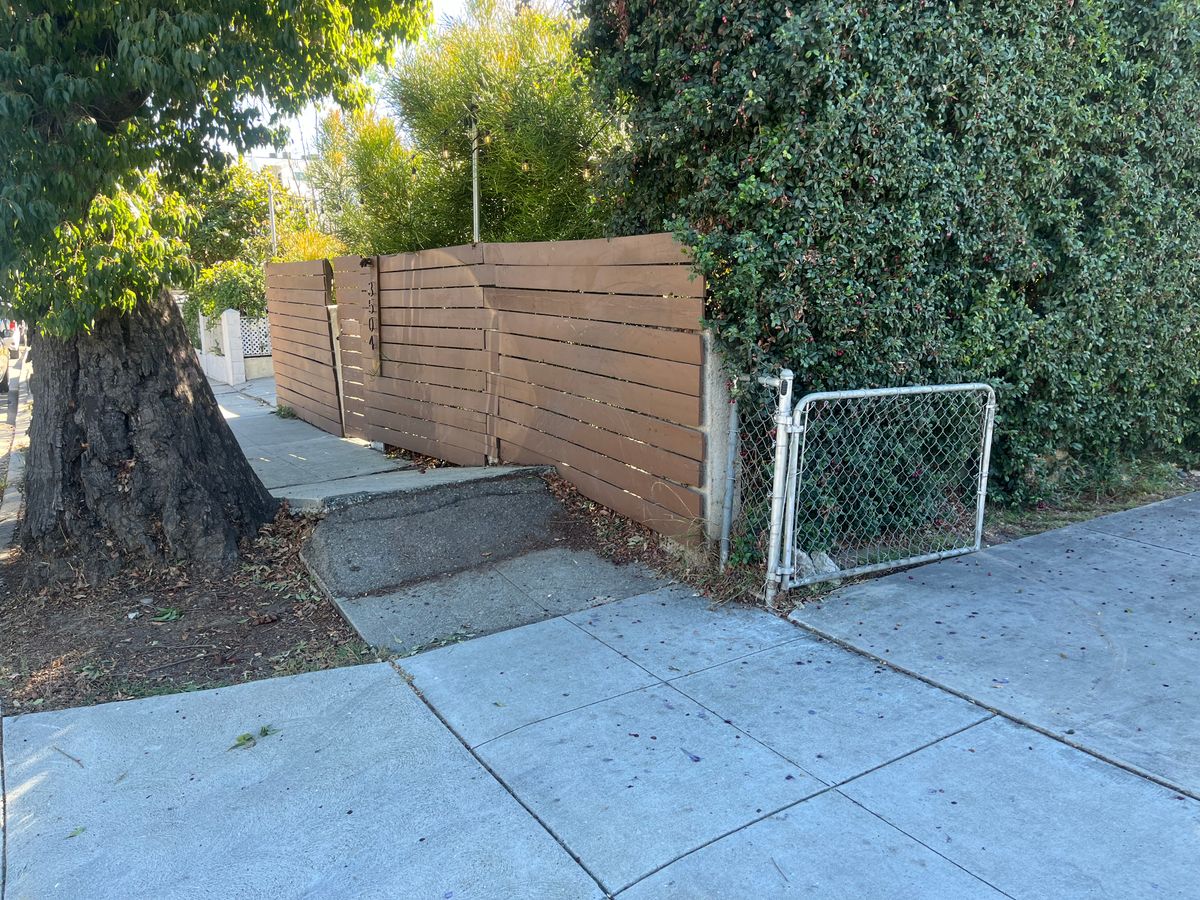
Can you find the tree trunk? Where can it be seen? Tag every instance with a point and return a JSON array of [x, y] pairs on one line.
[[129, 454]]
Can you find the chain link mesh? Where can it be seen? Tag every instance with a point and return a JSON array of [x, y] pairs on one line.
[[754, 465], [877, 479]]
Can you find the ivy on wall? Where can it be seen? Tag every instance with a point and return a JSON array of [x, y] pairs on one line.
[[887, 193]]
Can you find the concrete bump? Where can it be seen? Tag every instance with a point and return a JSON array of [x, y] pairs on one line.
[[386, 543]]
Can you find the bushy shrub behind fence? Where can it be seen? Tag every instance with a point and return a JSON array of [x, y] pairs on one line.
[[885, 193]]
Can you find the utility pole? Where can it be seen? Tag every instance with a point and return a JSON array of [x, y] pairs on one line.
[[474, 175], [271, 206]]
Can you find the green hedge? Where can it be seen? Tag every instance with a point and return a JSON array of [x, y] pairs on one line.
[[894, 193]]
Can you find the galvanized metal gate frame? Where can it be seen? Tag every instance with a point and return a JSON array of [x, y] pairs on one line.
[[790, 425]]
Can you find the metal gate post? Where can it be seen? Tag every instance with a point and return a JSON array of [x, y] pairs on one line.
[[783, 421]]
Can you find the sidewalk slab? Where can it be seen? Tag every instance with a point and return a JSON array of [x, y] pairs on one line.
[[1091, 637], [564, 581], [1036, 818], [1170, 524], [489, 687], [631, 783], [826, 846], [837, 714], [450, 608], [674, 632], [359, 792]]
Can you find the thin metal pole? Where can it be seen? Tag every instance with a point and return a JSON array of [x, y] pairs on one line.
[[985, 462], [474, 178], [271, 206], [783, 417], [731, 463]]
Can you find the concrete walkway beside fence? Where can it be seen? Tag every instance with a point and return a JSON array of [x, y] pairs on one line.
[[311, 468], [657, 747]]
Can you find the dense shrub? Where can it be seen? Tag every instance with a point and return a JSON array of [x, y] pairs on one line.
[[232, 284], [883, 193], [507, 70]]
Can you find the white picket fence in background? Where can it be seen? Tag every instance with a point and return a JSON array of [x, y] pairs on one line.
[[234, 350]]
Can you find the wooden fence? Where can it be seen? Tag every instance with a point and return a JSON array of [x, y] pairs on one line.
[[306, 379], [585, 355]]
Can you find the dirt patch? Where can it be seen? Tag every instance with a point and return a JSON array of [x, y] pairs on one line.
[[167, 630]]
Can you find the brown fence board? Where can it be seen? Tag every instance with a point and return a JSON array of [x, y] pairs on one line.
[[433, 393], [459, 338], [654, 460], [436, 356], [420, 279], [427, 317], [462, 438], [678, 408], [429, 446], [302, 342], [642, 249], [666, 374], [315, 326], [672, 497], [665, 312], [680, 346], [654, 281], [467, 379], [467, 297], [656, 432], [443, 257], [296, 303]]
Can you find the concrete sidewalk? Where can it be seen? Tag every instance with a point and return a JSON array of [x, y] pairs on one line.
[[655, 747], [313, 469]]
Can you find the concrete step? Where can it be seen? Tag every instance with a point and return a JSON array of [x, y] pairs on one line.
[[416, 570]]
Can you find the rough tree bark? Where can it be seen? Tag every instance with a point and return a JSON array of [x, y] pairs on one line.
[[129, 455]]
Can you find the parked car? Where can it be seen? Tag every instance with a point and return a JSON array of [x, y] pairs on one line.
[[3, 373], [11, 334]]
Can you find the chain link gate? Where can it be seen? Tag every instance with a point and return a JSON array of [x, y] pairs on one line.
[[868, 480]]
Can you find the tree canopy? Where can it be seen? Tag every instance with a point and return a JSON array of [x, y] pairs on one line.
[[510, 70], [96, 95]]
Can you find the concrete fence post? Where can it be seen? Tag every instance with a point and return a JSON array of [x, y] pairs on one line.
[[718, 408], [231, 341]]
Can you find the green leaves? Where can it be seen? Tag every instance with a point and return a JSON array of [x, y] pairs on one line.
[[404, 184], [95, 93], [887, 194]]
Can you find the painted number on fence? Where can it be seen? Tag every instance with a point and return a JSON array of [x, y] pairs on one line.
[[370, 321]]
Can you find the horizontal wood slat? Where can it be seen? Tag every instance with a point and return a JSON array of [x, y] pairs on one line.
[[671, 376], [623, 502], [674, 438], [665, 312], [428, 446], [652, 281], [663, 463], [460, 338], [642, 249], [680, 346], [678, 408], [470, 297], [466, 254], [671, 497], [419, 279], [449, 377]]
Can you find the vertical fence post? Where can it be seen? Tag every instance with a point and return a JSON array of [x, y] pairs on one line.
[[783, 419], [231, 341]]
